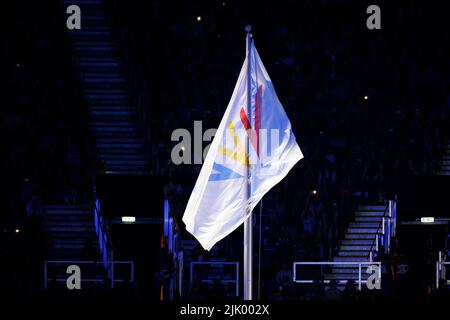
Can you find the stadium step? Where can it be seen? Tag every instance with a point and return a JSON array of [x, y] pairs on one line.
[[64, 246], [105, 153], [87, 33], [362, 230], [112, 123], [112, 113], [359, 236], [363, 224], [356, 242], [99, 64], [115, 129], [352, 253], [378, 208], [349, 276], [346, 270], [367, 219], [369, 214], [68, 222], [132, 157], [102, 75], [354, 248], [350, 259]]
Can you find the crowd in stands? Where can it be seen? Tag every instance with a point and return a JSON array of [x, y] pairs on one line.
[[367, 107]]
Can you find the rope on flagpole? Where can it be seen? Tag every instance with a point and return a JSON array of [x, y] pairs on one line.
[[261, 154]]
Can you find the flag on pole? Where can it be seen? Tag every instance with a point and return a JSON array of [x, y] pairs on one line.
[[221, 201]]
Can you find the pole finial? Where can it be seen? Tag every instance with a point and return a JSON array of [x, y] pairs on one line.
[[248, 28]]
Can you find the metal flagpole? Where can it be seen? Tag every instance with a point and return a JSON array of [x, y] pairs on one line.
[[248, 234], [260, 249]]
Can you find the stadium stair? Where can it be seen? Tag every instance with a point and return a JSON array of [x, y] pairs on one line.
[[444, 169], [120, 145], [70, 230], [357, 243]]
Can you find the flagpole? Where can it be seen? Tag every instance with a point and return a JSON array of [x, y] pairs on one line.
[[248, 234]]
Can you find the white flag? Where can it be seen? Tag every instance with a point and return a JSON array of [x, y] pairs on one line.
[[236, 175]]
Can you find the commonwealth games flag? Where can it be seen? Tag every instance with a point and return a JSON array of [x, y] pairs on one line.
[[250, 153]]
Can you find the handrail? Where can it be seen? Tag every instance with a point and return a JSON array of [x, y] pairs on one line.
[[102, 231], [177, 229], [87, 262], [439, 271], [439, 268], [319, 263], [167, 215], [381, 224]]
